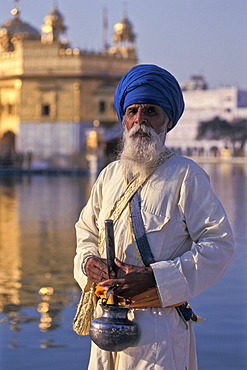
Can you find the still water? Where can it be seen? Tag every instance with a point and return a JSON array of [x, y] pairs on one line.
[[38, 295]]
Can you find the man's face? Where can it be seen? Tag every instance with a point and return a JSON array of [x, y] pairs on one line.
[[145, 114], [143, 138]]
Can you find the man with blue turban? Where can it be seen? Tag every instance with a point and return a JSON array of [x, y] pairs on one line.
[[172, 236]]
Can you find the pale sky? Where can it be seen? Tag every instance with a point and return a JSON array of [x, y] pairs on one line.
[[186, 37]]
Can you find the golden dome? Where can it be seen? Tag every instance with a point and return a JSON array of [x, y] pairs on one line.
[[124, 39], [14, 30], [53, 26], [55, 19], [17, 29], [124, 31]]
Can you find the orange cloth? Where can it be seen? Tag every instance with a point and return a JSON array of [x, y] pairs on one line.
[[149, 298], [100, 291]]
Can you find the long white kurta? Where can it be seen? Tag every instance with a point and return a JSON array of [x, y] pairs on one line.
[[191, 240]]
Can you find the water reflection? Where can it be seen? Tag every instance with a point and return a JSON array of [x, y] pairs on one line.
[[44, 308], [37, 246], [230, 184], [10, 258]]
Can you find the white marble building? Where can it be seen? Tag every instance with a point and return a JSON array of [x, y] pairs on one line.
[[228, 103]]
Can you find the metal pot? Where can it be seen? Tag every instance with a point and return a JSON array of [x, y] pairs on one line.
[[113, 331]]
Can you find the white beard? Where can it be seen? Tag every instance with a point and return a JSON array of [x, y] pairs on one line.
[[140, 154]]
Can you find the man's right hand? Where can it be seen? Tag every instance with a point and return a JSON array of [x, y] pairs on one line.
[[96, 269]]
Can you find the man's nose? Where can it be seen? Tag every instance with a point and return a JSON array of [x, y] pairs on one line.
[[140, 117]]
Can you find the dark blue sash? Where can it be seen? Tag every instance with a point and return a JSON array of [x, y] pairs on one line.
[[139, 230]]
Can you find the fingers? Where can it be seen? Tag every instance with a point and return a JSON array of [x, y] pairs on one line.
[[111, 282], [128, 268], [123, 266], [96, 277], [119, 263], [119, 284], [122, 289], [96, 269]]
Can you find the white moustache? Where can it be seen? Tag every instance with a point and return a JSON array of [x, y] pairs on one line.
[[141, 129]]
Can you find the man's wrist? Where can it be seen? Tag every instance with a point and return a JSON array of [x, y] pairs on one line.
[[84, 262]]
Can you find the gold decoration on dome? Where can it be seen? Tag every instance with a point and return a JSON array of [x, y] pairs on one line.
[[124, 38], [53, 27], [118, 27], [16, 10], [47, 28], [124, 30]]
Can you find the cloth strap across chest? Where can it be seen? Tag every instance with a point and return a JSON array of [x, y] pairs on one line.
[[150, 297]]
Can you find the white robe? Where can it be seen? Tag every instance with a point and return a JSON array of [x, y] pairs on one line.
[[191, 240]]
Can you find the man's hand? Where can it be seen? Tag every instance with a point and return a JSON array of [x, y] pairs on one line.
[[136, 280], [96, 269]]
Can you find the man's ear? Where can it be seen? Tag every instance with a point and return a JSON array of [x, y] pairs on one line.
[[169, 124]]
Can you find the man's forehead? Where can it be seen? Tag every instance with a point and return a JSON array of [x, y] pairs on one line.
[[143, 105]]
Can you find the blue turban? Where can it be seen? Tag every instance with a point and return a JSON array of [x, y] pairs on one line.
[[149, 84]]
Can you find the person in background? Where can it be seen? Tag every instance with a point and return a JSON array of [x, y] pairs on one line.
[[173, 239]]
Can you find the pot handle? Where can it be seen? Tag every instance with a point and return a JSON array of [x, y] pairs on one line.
[[109, 292]]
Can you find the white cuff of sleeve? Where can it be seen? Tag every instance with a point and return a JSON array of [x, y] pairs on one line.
[[84, 262]]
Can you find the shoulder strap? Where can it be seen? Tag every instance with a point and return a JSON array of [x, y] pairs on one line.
[[139, 231], [141, 244], [130, 190]]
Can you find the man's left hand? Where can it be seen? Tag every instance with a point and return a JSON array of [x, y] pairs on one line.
[[136, 280]]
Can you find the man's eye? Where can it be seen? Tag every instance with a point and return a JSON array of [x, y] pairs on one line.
[[132, 111], [151, 110]]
